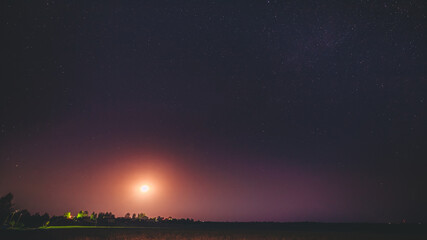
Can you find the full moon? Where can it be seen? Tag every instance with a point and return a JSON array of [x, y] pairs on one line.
[[144, 188]]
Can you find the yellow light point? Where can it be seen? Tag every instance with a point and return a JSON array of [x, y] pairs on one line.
[[144, 188]]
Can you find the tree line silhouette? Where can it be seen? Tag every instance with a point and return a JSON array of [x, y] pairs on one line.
[[16, 218]]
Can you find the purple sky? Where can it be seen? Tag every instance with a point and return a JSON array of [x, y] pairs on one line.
[[243, 111]]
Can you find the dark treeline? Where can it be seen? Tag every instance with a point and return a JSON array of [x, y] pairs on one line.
[[16, 218], [10, 217]]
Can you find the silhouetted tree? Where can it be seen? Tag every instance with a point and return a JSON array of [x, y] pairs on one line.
[[142, 216], [93, 216], [25, 219], [105, 218], [82, 214], [6, 207], [45, 219], [67, 215], [19, 218]]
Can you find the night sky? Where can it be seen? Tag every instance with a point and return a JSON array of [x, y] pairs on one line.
[[229, 110]]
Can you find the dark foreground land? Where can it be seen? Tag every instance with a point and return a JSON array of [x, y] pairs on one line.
[[211, 231]]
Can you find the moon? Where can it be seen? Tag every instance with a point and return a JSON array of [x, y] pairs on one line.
[[144, 188]]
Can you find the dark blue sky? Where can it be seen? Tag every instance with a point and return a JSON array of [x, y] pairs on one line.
[[334, 90]]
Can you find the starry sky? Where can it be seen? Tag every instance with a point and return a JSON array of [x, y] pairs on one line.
[[229, 110]]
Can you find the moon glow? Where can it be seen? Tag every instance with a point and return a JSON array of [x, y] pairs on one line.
[[144, 188]]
